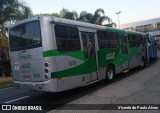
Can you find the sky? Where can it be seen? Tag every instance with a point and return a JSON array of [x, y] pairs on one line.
[[131, 10]]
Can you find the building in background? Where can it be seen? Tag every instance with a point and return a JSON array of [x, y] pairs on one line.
[[151, 26]]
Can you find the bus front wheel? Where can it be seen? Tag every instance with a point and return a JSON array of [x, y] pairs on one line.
[[110, 73]]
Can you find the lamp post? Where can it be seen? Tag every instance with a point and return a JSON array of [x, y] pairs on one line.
[[118, 17]]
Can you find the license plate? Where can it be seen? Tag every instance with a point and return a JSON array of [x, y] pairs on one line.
[[27, 77]]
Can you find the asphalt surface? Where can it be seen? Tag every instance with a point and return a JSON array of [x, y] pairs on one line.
[[139, 86]]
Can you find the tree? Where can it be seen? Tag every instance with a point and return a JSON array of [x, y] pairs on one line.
[[10, 11], [49, 14], [73, 15], [25, 12], [111, 24], [13, 10], [97, 18]]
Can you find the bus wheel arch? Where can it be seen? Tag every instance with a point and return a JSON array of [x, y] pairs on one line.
[[110, 72]]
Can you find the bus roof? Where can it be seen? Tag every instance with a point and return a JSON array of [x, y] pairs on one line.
[[83, 24], [134, 32], [69, 22], [25, 20]]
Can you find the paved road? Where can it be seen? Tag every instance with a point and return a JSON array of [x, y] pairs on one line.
[[136, 87]]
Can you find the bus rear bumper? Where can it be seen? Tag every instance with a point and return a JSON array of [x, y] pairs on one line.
[[48, 86]]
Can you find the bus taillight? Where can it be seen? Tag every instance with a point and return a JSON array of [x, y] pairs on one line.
[[46, 64], [46, 70], [46, 76]]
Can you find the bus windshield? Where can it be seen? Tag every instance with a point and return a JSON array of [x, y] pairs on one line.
[[25, 36]]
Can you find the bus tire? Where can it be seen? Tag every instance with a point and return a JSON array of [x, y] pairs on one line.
[[110, 73], [143, 63]]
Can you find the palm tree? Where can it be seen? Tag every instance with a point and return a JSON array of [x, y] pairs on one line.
[[69, 14], [111, 24], [97, 18]]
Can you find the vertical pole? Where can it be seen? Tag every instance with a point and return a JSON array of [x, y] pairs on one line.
[[118, 21], [118, 18]]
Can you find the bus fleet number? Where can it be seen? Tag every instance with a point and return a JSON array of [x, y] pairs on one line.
[[72, 63]]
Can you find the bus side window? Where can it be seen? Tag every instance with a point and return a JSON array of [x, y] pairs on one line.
[[136, 41], [132, 40], [103, 39], [114, 43], [67, 38]]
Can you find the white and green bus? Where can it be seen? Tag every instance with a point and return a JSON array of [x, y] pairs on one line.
[[54, 54]]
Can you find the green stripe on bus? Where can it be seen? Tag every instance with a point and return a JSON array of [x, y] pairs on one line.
[[76, 54], [102, 63], [78, 70]]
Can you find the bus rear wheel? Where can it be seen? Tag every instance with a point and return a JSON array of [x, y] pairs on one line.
[[110, 73]]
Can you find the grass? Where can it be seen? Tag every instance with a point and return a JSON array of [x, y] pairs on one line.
[[5, 82]]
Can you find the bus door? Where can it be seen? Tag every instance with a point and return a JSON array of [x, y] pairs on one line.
[[124, 49], [90, 56]]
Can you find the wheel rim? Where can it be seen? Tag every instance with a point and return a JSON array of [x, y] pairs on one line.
[[110, 73]]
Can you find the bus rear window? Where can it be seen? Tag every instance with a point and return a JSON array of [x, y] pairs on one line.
[[25, 36]]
